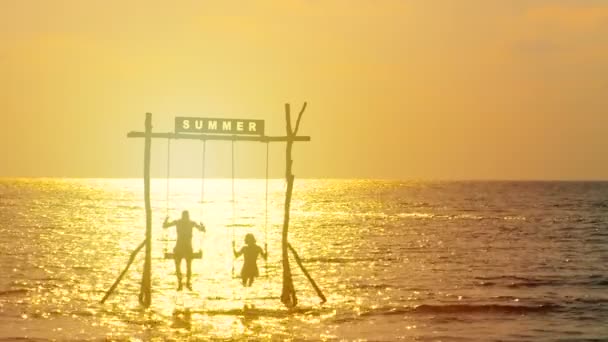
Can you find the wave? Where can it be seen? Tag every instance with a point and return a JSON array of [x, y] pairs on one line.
[[523, 282], [213, 298], [591, 300], [371, 286], [338, 260], [82, 268], [517, 281], [265, 312], [465, 309], [535, 283], [599, 204], [486, 308], [601, 282], [514, 281], [461, 216], [13, 292]]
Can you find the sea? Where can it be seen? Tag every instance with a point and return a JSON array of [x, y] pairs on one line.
[[396, 260]]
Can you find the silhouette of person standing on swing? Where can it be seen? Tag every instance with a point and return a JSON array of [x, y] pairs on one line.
[[250, 253], [183, 246]]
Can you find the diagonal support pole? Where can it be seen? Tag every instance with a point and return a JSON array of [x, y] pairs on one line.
[[122, 274], [312, 282]]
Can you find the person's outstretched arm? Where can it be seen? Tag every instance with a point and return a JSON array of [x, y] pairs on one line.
[[265, 251], [168, 224], [236, 254]]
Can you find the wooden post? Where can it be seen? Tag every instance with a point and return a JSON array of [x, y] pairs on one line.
[[288, 294], [145, 294]]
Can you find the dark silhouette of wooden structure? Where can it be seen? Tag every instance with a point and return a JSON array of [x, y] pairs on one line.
[[288, 293]]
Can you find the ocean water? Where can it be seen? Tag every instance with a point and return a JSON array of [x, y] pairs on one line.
[[416, 261]]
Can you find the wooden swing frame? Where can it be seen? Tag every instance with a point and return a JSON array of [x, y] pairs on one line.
[[288, 294]]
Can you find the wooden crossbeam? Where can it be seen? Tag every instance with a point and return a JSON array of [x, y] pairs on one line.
[[218, 137]]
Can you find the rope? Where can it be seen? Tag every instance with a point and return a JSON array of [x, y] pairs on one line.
[[164, 235], [168, 176], [266, 213], [233, 205], [233, 196], [266, 199], [204, 153], [203, 175]]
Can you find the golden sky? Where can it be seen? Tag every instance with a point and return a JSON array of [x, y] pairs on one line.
[[429, 89]]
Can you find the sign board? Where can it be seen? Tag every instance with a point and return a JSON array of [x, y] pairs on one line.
[[219, 126]]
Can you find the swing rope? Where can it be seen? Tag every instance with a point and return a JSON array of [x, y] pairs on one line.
[[203, 176], [266, 214], [164, 235], [265, 204], [168, 176], [202, 206], [233, 206]]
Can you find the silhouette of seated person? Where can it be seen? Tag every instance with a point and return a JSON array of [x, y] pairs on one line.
[[250, 253], [183, 246]]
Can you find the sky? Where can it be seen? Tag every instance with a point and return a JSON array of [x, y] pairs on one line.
[[427, 89]]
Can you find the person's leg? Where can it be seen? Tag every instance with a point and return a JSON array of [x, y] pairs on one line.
[[189, 273], [250, 281], [178, 271]]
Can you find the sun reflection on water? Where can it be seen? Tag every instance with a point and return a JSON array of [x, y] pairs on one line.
[[86, 234], [215, 307]]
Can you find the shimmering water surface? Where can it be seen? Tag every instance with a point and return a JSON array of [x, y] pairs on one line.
[[424, 261]]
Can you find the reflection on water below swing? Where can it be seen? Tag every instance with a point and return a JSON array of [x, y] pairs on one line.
[[218, 304]]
